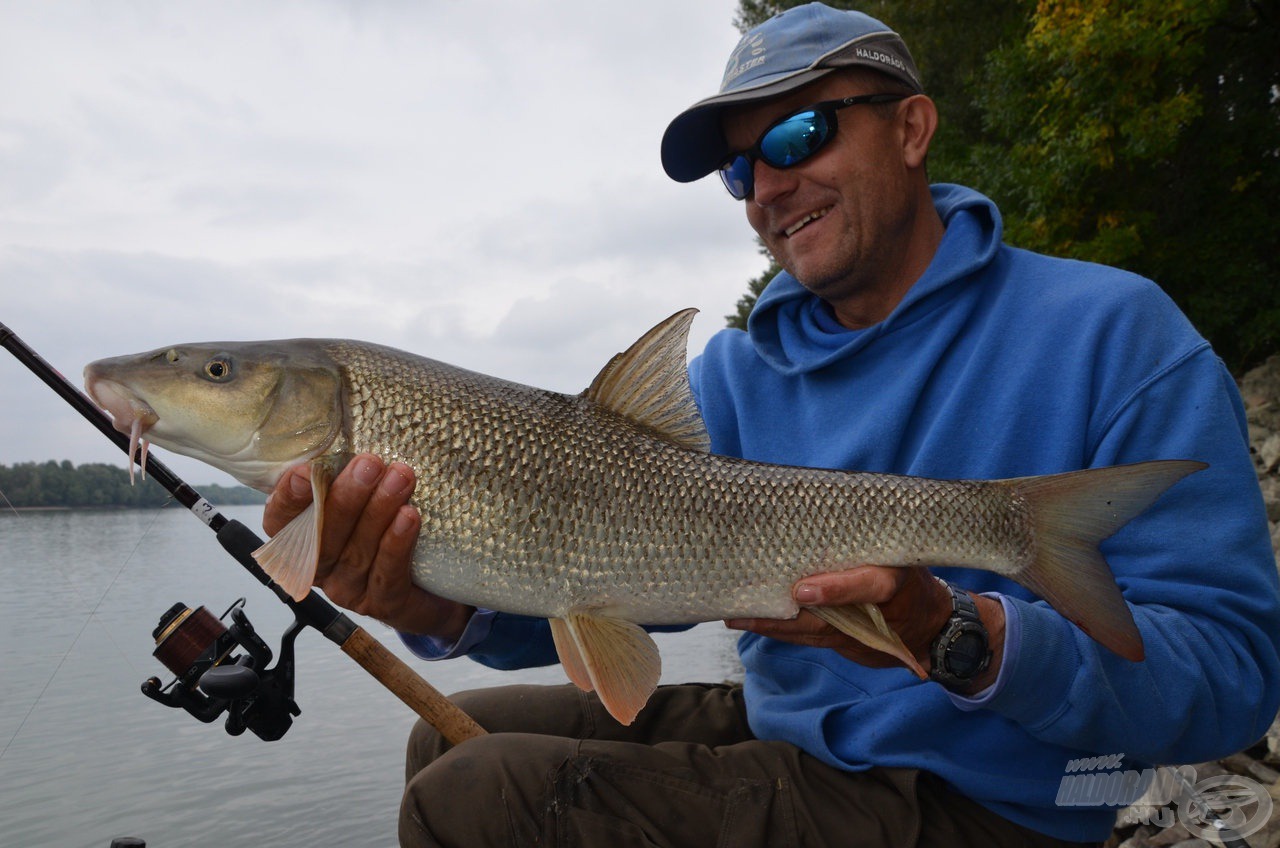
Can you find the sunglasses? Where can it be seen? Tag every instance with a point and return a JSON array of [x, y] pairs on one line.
[[791, 140]]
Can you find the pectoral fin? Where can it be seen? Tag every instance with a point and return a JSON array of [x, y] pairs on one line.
[[615, 658], [866, 623], [290, 557]]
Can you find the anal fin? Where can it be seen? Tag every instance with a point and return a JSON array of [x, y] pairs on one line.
[[866, 623], [291, 556], [615, 658]]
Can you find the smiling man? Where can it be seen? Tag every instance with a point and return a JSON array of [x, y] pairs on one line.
[[857, 223], [904, 336]]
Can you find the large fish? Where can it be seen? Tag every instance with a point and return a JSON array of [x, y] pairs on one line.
[[605, 510]]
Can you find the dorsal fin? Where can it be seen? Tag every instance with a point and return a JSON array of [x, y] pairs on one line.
[[649, 384]]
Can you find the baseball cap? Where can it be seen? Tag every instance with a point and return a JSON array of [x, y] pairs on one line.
[[791, 49]]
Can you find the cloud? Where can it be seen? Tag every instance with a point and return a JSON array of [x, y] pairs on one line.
[[475, 182]]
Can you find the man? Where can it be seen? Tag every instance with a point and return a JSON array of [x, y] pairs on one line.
[[903, 337]]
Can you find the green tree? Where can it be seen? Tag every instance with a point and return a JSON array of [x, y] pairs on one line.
[[1147, 135], [1141, 134], [748, 301], [53, 484]]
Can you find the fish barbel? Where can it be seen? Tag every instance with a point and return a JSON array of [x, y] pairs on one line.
[[605, 510]]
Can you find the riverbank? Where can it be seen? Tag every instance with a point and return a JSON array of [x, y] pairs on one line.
[[62, 485]]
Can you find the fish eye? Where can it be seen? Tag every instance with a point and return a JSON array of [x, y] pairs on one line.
[[218, 369]]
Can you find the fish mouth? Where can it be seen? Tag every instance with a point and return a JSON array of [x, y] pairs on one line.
[[129, 414]]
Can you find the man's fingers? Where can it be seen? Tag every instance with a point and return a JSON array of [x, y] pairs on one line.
[[290, 497], [364, 506], [905, 596], [862, 585], [388, 588], [809, 630], [345, 505], [370, 530]]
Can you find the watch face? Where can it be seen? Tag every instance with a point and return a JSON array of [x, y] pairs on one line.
[[966, 653]]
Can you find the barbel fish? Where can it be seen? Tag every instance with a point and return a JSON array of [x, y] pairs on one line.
[[605, 510]]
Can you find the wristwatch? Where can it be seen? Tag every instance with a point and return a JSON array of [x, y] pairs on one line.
[[961, 651]]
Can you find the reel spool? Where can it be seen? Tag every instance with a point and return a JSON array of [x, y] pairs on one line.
[[210, 678], [191, 641]]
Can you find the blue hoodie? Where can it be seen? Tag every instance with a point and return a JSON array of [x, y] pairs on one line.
[[1004, 363]]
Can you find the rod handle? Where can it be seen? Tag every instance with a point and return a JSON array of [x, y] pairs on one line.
[[420, 696]]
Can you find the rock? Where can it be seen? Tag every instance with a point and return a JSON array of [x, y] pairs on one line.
[[1269, 452], [1269, 836], [1270, 485], [1135, 842], [1260, 389], [1273, 744], [1175, 835], [1246, 765]]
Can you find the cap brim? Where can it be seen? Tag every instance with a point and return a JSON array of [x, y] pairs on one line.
[[694, 145]]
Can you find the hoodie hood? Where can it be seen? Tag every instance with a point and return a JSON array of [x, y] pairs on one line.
[[795, 332]]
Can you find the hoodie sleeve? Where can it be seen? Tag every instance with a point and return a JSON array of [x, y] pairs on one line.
[[498, 640], [1200, 576]]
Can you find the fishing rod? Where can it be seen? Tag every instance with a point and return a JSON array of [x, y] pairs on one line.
[[210, 678]]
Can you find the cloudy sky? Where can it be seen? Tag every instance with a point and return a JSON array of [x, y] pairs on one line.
[[474, 181]]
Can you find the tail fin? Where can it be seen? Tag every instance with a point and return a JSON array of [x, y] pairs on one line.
[[1071, 514]]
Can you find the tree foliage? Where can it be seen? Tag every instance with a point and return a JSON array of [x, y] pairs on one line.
[[748, 301], [54, 484], [1143, 134]]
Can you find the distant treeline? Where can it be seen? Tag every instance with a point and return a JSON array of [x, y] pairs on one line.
[[61, 484]]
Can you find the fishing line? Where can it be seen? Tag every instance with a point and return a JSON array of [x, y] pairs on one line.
[[9, 504], [83, 627]]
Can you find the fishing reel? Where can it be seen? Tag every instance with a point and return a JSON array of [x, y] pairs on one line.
[[211, 678]]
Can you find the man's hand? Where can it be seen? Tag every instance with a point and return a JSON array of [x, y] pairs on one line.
[[369, 534], [913, 602]]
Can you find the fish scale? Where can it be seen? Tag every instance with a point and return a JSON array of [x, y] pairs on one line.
[[615, 518], [605, 510]]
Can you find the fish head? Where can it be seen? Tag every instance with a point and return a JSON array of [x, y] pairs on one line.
[[251, 409]]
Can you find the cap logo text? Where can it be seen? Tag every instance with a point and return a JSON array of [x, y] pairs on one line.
[[749, 54], [882, 58]]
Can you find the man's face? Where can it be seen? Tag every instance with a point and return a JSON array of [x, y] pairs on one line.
[[841, 220]]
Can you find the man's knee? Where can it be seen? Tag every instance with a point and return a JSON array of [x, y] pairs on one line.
[[549, 710], [491, 790]]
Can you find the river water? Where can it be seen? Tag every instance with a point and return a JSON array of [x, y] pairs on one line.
[[85, 757]]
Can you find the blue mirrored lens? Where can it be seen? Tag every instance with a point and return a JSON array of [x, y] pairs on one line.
[[795, 139], [737, 176]]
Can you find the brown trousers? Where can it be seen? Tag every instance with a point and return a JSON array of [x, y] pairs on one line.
[[557, 770]]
